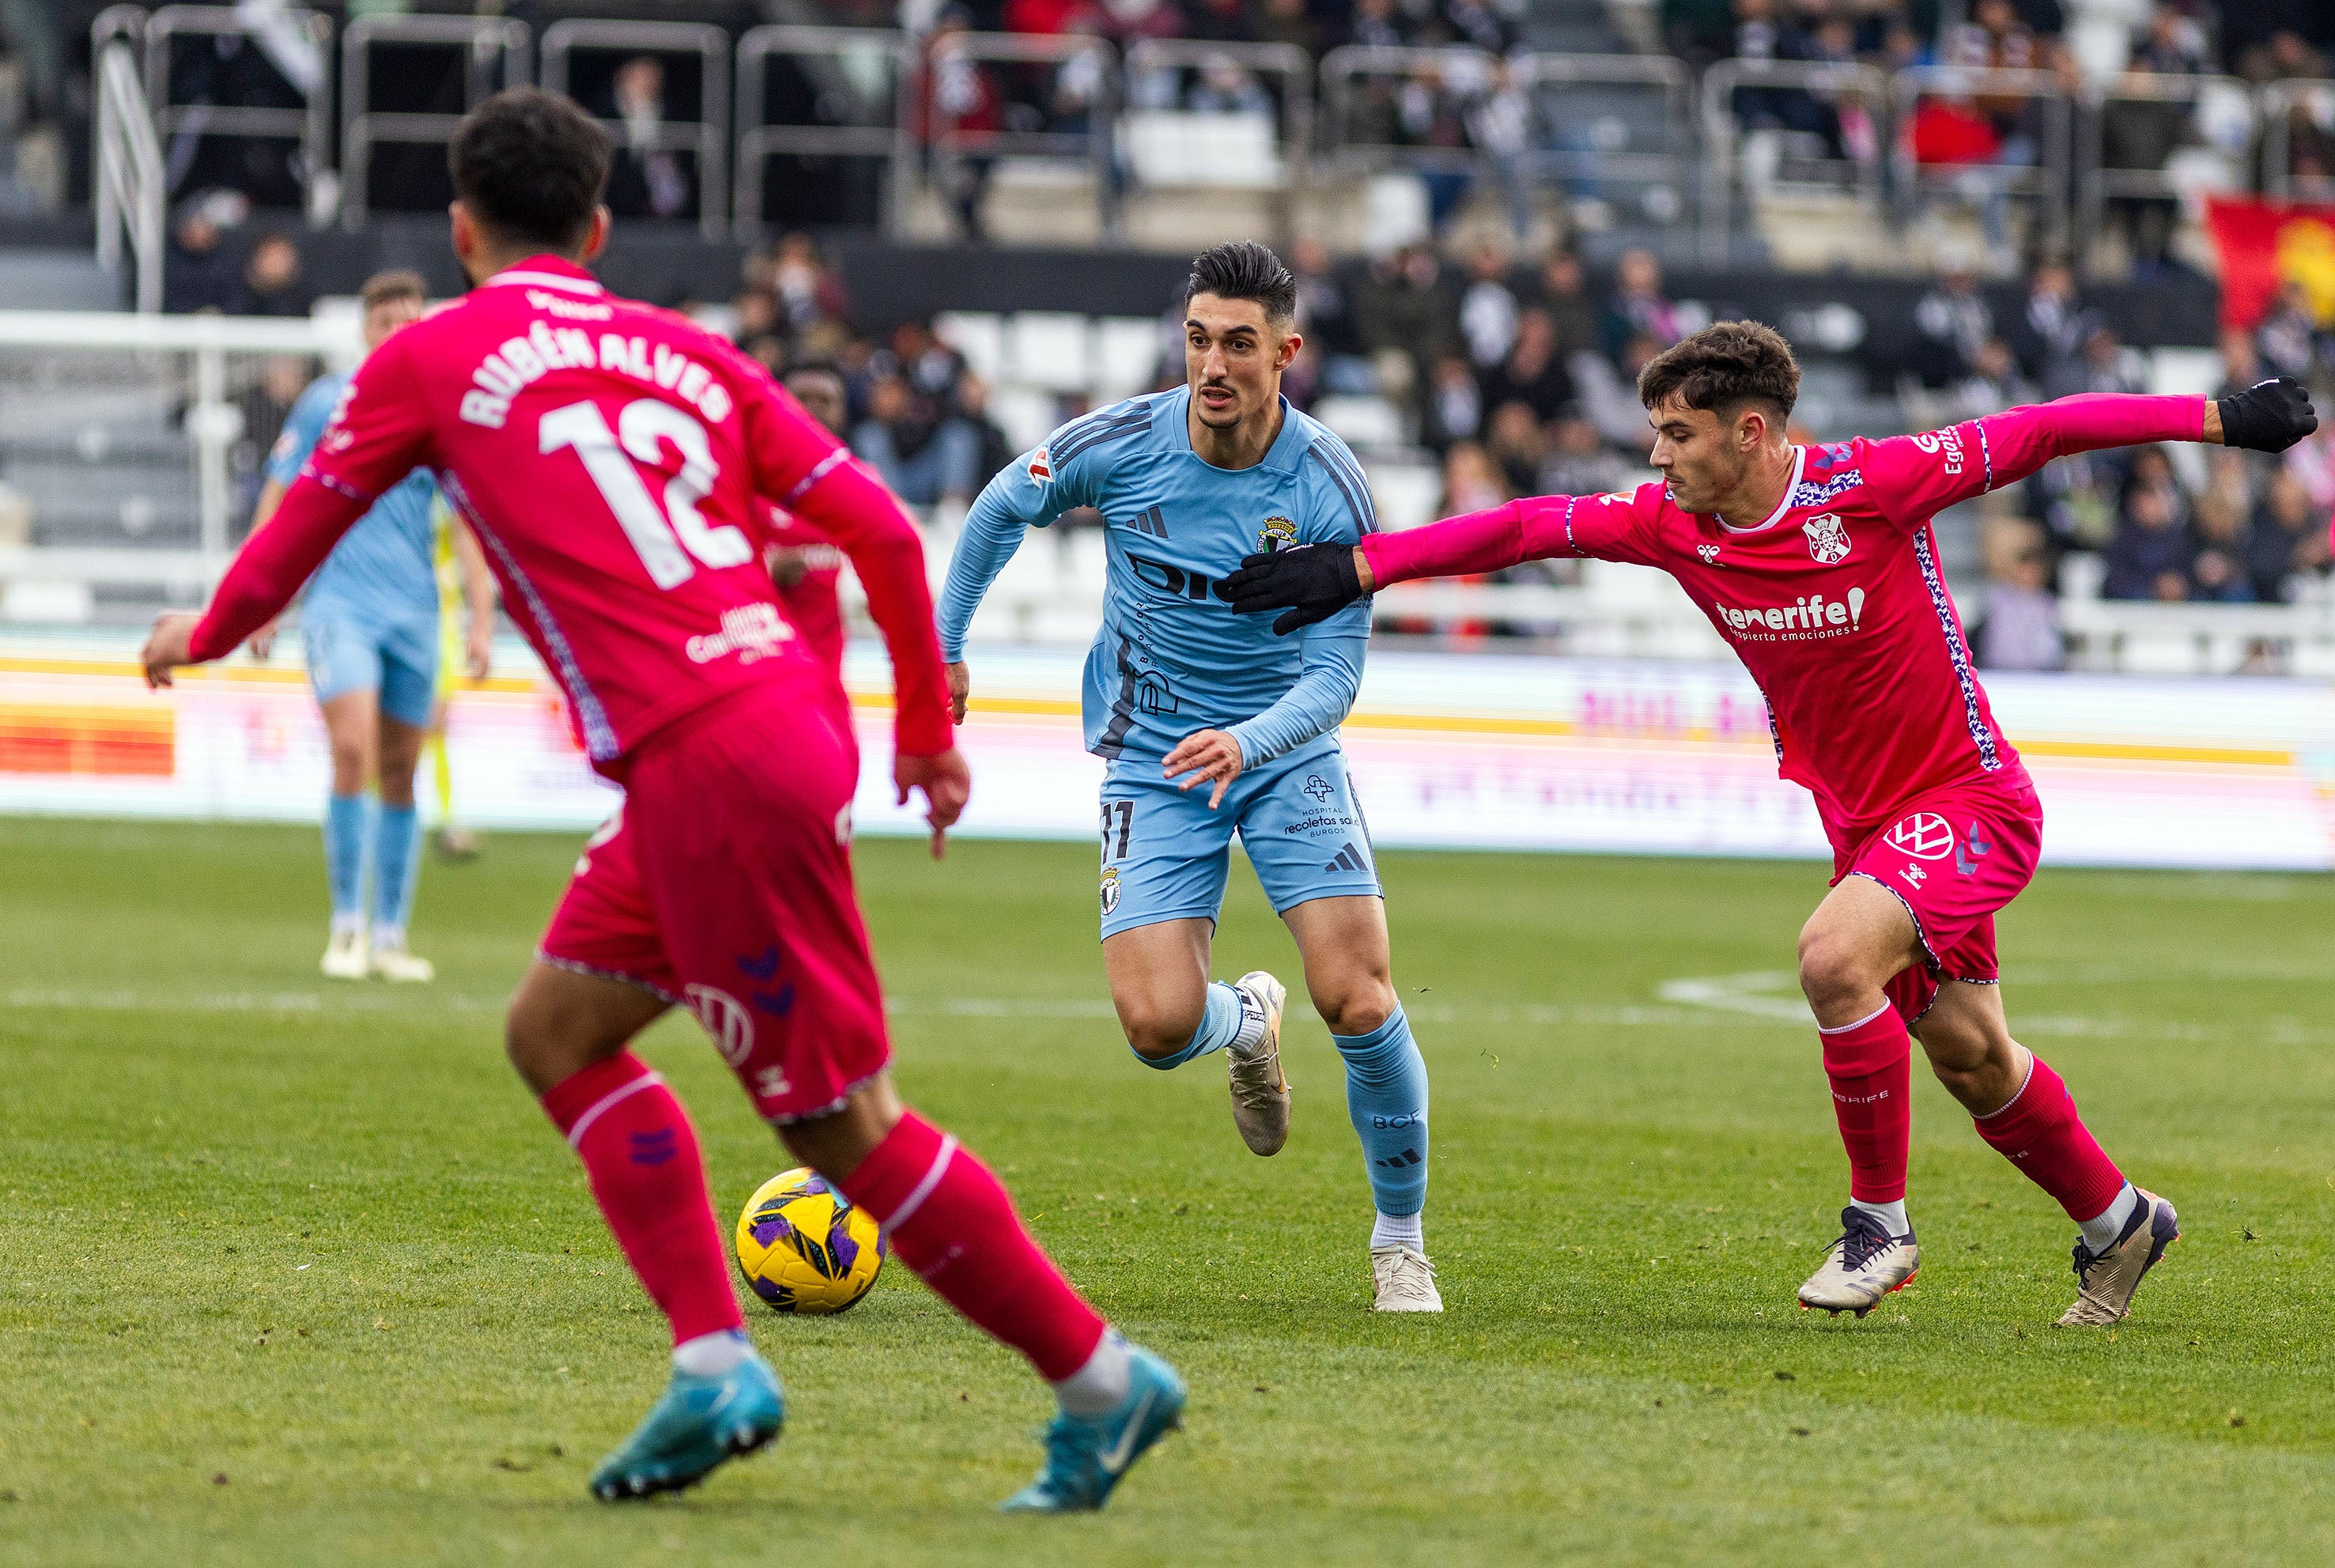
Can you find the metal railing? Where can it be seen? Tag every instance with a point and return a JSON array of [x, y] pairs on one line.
[[952, 145], [311, 124], [1344, 74], [1286, 64], [209, 419], [2279, 101], [127, 23], [1826, 84], [129, 196], [1670, 163], [2046, 181], [836, 61], [497, 58], [707, 136], [2099, 184]]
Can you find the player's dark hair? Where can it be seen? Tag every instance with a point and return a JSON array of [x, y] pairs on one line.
[[531, 166], [815, 367], [1244, 269], [383, 286], [1722, 368]]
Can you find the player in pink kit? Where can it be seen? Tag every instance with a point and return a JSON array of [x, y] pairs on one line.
[[610, 455], [1819, 564]]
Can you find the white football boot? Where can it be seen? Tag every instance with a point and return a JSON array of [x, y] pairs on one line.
[[345, 955], [390, 961], [2105, 1281], [1864, 1265], [1405, 1280], [1253, 1062]]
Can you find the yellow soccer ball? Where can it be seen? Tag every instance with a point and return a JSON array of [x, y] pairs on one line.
[[804, 1247]]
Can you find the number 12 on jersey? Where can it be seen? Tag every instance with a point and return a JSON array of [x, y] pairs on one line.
[[657, 534]]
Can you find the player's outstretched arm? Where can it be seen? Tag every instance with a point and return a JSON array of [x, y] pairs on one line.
[[1915, 477], [1311, 583]]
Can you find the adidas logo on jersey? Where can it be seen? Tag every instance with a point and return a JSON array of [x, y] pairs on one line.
[[1348, 858], [1150, 522]]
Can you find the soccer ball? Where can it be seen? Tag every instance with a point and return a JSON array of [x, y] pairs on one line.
[[804, 1247]]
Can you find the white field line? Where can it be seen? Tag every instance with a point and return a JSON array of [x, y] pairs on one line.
[[1766, 998]]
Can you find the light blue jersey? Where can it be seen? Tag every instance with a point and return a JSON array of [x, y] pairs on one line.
[[382, 568], [1171, 658]]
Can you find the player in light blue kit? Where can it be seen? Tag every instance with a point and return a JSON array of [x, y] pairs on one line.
[[1212, 726], [370, 621]]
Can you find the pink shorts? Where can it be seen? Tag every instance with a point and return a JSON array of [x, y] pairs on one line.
[[724, 885], [1953, 858]]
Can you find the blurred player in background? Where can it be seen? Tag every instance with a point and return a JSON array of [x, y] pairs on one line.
[[371, 621], [614, 460], [1819, 563], [466, 630], [1209, 728], [804, 563]]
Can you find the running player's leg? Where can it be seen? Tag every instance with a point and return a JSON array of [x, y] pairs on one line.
[[2022, 1109], [344, 673], [600, 977], [1306, 837], [752, 890], [408, 691], [1853, 949], [1164, 857]]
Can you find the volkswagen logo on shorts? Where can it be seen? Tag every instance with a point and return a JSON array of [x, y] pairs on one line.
[[725, 1020], [1924, 836]]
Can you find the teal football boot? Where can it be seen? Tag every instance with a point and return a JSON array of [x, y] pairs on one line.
[[1086, 1455], [698, 1423]]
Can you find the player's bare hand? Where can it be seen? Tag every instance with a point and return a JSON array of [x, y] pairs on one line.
[[960, 685], [167, 646], [947, 784], [263, 641], [478, 653], [1209, 756]]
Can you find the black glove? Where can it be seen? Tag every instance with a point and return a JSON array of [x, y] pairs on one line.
[[1310, 582], [2267, 417]]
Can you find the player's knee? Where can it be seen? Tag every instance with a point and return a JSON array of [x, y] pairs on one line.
[[1362, 1007], [1832, 969], [1155, 1033]]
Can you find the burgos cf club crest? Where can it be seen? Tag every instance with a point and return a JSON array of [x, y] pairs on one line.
[[1827, 538], [1276, 534], [1109, 888]]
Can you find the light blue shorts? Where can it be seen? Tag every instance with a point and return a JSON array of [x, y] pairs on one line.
[[395, 655], [1166, 855]]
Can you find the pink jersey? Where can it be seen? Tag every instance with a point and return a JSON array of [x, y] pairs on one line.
[[609, 456], [812, 602], [1835, 603]]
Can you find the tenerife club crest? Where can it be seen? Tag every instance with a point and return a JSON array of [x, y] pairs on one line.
[[1827, 538], [1276, 534]]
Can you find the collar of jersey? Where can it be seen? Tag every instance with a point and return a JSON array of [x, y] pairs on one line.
[[1281, 454], [1799, 460], [547, 272]]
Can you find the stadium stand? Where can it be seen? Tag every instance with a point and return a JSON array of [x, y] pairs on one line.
[[1498, 211]]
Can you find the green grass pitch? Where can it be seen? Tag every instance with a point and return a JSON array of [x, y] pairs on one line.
[[291, 1274]]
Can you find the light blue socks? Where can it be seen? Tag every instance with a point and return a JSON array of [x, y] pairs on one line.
[[1386, 1097], [1219, 1027], [344, 848], [396, 834]]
